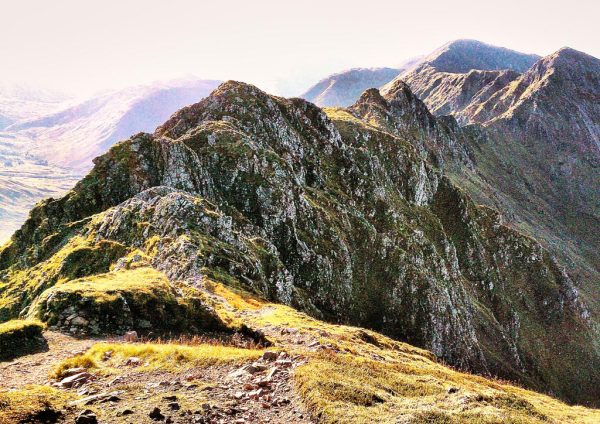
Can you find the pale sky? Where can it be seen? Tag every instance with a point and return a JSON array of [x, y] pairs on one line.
[[281, 46]]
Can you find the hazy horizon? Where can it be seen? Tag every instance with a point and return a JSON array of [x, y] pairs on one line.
[[87, 48]]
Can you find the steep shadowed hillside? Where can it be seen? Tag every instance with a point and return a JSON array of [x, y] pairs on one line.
[[538, 162]]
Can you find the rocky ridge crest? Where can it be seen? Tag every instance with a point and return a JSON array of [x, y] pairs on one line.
[[337, 213]]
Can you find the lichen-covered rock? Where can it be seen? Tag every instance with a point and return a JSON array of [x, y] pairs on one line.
[[140, 299], [339, 213]]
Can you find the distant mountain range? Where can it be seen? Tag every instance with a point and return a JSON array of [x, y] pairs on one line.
[[49, 140], [74, 136], [19, 102], [344, 88], [463, 73], [24, 180]]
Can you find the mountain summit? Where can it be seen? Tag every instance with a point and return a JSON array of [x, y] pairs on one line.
[[557, 99], [454, 58], [461, 56], [463, 73]]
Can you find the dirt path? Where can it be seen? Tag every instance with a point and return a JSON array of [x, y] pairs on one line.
[[34, 369], [215, 395], [219, 394]]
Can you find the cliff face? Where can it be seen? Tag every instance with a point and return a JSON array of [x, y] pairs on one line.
[[338, 213], [456, 93], [538, 159]]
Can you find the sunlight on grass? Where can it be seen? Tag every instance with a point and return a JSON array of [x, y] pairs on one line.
[[153, 356], [31, 403]]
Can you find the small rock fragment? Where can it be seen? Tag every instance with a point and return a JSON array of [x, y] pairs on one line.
[[284, 363], [130, 336], [133, 361], [156, 415], [272, 372], [72, 371], [269, 355], [75, 380], [265, 382], [86, 417]]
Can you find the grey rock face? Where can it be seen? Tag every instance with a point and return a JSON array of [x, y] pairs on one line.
[[341, 215]]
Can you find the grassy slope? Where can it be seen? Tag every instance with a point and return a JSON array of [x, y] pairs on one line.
[[365, 377], [353, 375]]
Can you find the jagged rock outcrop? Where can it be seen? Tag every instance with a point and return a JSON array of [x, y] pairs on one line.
[[338, 214], [538, 159], [400, 112], [461, 75]]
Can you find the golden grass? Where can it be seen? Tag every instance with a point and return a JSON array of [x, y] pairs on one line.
[[370, 378], [20, 325], [340, 114], [236, 299], [360, 377], [345, 388], [106, 287], [23, 405], [155, 356]]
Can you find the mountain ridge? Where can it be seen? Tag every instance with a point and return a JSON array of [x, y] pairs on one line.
[[298, 201], [463, 55]]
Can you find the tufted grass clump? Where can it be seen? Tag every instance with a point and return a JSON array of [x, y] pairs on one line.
[[20, 337], [157, 356]]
